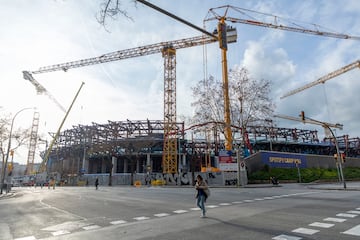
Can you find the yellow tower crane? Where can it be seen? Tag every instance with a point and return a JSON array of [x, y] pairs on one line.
[[168, 50], [246, 16]]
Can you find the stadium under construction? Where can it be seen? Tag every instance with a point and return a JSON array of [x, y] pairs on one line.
[[136, 147]]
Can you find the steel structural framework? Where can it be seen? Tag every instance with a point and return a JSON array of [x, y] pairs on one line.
[[134, 138]]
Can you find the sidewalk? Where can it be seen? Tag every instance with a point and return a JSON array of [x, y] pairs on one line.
[[352, 186], [6, 195]]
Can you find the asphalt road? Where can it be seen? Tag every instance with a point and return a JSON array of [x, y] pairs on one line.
[[288, 212]]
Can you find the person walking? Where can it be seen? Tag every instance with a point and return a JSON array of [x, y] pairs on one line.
[[201, 196], [96, 183]]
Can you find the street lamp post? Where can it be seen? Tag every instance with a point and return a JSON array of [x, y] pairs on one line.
[[270, 129], [8, 149], [338, 158]]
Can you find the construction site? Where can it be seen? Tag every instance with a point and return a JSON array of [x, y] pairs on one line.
[[167, 151]]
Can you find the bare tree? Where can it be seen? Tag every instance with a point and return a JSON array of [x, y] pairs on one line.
[[20, 136], [249, 100]]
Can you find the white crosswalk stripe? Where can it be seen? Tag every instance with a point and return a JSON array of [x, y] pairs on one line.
[[118, 222], [195, 209], [355, 231], [61, 232], [224, 204], [286, 237], [307, 231], [212, 206], [161, 215], [26, 238], [141, 218], [338, 220], [321, 225], [348, 215], [180, 211], [91, 227], [353, 212]]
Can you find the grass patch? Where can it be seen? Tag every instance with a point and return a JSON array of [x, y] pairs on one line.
[[307, 174]]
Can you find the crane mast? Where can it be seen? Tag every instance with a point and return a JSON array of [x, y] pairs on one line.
[[324, 78]]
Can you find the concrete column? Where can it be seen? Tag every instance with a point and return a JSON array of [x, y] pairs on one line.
[[148, 162], [86, 165], [103, 166], [137, 165], [125, 165], [114, 163]]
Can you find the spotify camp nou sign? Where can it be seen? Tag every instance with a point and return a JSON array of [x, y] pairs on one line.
[[281, 160]]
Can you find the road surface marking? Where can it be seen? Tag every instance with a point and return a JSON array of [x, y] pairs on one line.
[[224, 204], [248, 201], [354, 212], [91, 227], [346, 215], [338, 220], [212, 206], [141, 218], [276, 196], [258, 199], [26, 238], [195, 209], [306, 231], [321, 225], [61, 232], [180, 211], [286, 237], [237, 202], [268, 198], [161, 215], [118, 222], [353, 231]]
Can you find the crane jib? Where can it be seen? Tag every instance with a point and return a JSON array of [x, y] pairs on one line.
[[133, 52]]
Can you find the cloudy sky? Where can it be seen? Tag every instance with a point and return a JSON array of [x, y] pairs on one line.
[[44, 32]]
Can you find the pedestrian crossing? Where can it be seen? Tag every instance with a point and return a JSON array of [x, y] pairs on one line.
[[296, 234], [326, 223]]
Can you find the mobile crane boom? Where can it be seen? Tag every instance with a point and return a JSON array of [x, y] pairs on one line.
[[310, 121], [325, 125], [41, 90]]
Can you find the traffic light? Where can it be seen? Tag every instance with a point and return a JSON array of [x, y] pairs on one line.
[[302, 115], [10, 169], [12, 153]]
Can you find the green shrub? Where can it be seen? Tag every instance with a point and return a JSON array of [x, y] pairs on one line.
[[307, 174]]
